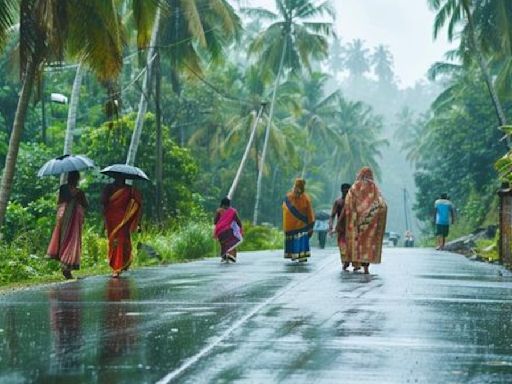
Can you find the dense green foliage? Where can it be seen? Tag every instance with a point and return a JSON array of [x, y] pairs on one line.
[[325, 126]]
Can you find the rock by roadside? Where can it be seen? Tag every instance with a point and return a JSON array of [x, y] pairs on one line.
[[466, 245]]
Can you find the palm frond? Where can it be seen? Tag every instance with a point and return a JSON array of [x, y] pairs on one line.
[[7, 19], [443, 68]]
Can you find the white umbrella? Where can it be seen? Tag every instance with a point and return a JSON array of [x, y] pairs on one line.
[[124, 170], [64, 164]]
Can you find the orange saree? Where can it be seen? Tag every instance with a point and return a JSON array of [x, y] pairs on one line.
[[122, 214], [365, 214]]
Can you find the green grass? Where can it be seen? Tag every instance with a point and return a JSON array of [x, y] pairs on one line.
[[21, 266]]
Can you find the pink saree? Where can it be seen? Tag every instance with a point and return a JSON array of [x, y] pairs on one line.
[[66, 241], [227, 231]]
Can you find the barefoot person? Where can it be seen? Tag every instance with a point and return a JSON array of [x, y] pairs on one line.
[[365, 220], [337, 224], [228, 230], [122, 208], [66, 242], [298, 222]]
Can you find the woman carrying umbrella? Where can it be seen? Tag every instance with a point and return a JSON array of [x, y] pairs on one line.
[[66, 242], [122, 208]]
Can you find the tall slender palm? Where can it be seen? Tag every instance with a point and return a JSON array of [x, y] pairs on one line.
[[357, 58], [360, 129], [460, 13], [314, 111], [382, 61], [186, 32], [89, 30], [293, 38]]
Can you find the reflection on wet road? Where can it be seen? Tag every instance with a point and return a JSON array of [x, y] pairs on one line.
[[421, 317]]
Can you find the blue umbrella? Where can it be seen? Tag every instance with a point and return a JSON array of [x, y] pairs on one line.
[[124, 170], [64, 164]]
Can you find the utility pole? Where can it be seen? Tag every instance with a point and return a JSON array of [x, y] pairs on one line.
[[405, 210]]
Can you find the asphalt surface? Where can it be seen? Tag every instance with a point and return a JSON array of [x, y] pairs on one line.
[[420, 317]]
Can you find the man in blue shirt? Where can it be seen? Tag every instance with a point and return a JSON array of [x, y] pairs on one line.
[[444, 211]]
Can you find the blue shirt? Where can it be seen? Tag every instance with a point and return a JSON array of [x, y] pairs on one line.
[[444, 208]]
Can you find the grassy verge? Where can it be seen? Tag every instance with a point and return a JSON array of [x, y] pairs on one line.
[[21, 265]]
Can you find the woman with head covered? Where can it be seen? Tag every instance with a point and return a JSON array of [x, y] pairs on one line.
[[365, 215], [298, 221]]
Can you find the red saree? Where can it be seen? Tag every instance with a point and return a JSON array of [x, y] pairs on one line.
[[365, 214], [122, 213], [66, 241]]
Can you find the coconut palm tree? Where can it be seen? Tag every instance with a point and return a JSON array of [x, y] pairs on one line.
[[187, 33], [314, 111], [293, 38], [88, 30], [460, 13], [357, 58], [382, 61], [360, 129]]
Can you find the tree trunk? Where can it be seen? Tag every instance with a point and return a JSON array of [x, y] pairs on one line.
[[306, 155], [73, 107], [485, 71], [43, 112], [246, 153], [16, 133], [159, 146], [143, 102], [267, 136]]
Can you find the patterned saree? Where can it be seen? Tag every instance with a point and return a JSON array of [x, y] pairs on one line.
[[365, 215]]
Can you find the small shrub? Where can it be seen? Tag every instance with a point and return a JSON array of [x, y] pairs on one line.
[[193, 241], [260, 237]]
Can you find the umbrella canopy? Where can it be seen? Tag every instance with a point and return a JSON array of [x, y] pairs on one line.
[[66, 163], [127, 171], [322, 215]]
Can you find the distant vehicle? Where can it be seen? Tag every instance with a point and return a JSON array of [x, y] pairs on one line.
[[391, 238]]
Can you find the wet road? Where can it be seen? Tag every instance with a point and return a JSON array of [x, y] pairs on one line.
[[420, 317]]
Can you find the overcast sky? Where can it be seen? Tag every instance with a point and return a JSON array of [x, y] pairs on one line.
[[405, 26]]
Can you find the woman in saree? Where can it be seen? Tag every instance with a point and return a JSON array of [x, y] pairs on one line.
[[122, 208], [228, 230], [66, 241], [298, 221], [365, 214]]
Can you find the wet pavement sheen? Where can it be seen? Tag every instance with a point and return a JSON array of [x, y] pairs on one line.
[[420, 317]]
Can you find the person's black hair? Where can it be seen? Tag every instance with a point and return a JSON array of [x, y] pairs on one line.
[[444, 195], [345, 186], [225, 202], [73, 177]]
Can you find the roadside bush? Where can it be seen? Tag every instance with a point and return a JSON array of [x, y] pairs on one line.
[[94, 248], [259, 237], [193, 241], [18, 264], [186, 242]]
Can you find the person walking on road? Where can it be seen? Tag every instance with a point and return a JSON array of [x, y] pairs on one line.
[[444, 213], [66, 241], [228, 230], [321, 227], [298, 222], [122, 209], [365, 220], [337, 224]]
